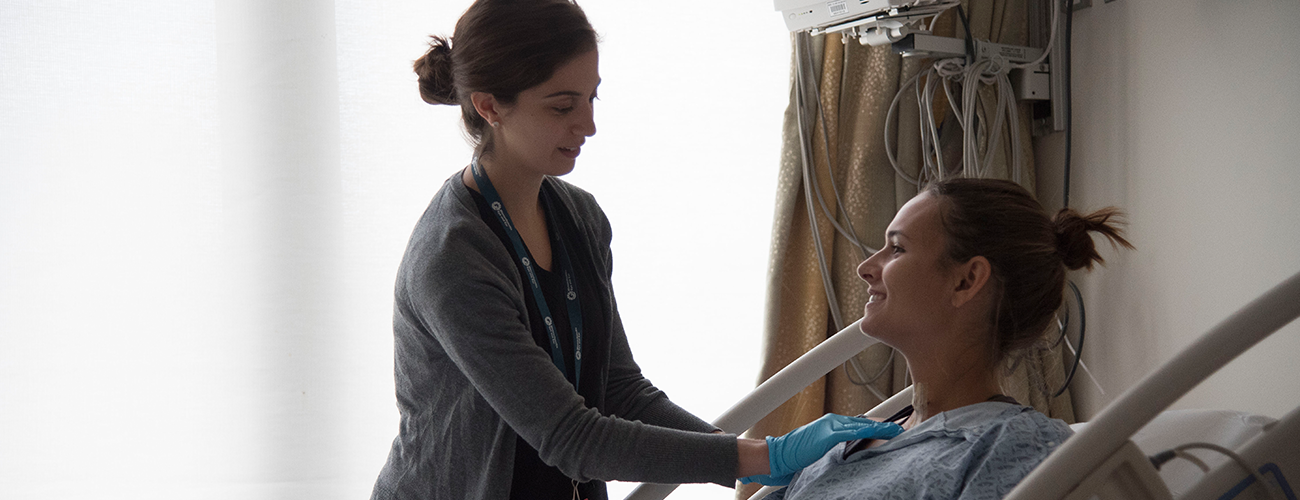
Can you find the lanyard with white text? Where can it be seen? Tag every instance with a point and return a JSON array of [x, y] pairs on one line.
[[575, 308]]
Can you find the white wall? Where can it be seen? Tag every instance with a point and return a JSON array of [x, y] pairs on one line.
[[1187, 115]]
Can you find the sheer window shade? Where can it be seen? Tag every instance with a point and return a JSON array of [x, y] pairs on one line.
[[203, 204]]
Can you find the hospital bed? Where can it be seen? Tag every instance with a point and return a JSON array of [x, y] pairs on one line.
[[1108, 457]]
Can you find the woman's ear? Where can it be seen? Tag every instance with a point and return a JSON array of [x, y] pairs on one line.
[[487, 107], [971, 278]]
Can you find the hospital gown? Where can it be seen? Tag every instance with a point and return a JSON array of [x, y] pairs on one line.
[[975, 452]]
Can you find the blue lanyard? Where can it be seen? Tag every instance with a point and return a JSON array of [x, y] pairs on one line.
[[575, 308]]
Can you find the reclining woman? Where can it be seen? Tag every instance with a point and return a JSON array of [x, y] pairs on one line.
[[972, 271]]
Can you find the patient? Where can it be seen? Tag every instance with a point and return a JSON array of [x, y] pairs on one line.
[[972, 271]]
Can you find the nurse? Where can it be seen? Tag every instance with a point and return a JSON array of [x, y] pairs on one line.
[[513, 373]]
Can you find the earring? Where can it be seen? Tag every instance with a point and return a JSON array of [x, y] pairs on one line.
[[494, 124]]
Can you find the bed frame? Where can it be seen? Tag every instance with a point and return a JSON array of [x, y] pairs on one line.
[[1100, 461]]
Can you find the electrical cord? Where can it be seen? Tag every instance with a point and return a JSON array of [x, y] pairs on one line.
[[1051, 39], [970, 42], [1065, 67], [805, 149], [812, 190], [850, 234], [971, 74], [1158, 460], [889, 120], [1078, 355]]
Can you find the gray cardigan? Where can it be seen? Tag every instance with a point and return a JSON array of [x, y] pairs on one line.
[[469, 375]]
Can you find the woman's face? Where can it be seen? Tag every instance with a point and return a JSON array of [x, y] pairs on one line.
[[543, 131], [909, 280]]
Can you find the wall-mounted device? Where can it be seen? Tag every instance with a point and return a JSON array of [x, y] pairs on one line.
[[900, 24], [828, 16]]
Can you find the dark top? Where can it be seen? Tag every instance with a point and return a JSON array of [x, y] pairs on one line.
[[532, 478], [472, 383]]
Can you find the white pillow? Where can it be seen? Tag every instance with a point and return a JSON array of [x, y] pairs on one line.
[[1229, 429]]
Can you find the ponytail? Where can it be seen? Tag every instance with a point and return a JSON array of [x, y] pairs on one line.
[[1073, 241], [1027, 251]]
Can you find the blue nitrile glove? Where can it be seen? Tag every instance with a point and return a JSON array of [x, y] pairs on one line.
[[768, 480], [792, 452]]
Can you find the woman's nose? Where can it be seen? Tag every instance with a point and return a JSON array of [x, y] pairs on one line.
[[869, 270], [866, 270], [587, 125]]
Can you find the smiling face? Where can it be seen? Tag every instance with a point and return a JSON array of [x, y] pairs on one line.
[[910, 279], [542, 132]]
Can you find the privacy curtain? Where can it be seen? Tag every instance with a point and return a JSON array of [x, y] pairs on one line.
[[857, 84]]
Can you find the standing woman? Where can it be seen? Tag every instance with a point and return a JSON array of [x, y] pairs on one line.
[[514, 377]]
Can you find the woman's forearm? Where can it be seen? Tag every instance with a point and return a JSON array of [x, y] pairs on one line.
[[753, 458]]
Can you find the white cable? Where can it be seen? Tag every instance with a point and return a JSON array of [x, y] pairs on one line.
[[922, 125], [994, 141], [1013, 110], [1051, 39], [1183, 454], [933, 80], [970, 98], [850, 234], [805, 147], [931, 147], [889, 118], [1263, 484], [1086, 371]]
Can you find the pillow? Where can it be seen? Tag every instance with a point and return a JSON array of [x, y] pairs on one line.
[[1226, 428]]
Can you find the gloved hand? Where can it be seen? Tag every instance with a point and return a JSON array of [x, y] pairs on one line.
[[801, 447]]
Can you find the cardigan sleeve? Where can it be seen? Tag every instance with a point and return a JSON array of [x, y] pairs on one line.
[[461, 289]]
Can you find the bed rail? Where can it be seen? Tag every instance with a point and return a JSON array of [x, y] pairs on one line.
[[778, 389], [1063, 471], [1066, 468]]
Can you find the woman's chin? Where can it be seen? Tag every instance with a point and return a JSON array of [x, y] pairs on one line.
[[876, 331]]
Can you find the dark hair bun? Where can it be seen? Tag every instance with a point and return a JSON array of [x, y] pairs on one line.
[[1073, 241], [437, 85]]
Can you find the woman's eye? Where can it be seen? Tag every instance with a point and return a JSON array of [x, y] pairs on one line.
[[897, 249], [563, 110]]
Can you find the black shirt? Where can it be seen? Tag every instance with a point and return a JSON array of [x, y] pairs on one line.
[[533, 478]]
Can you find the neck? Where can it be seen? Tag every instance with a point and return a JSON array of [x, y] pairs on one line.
[[942, 383], [519, 189]]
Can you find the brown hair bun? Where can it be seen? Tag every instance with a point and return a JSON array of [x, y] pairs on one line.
[[1028, 251], [437, 85], [1073, 241], [502, 48]]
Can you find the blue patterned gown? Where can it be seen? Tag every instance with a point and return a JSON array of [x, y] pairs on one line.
[[974, 452]]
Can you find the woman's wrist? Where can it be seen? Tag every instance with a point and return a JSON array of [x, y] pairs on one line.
[[752, 457]]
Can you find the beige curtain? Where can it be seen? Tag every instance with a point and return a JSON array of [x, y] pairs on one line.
[[857, 84]]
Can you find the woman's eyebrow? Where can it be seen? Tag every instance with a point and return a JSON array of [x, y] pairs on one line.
[[573, 93], [894, 233]]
